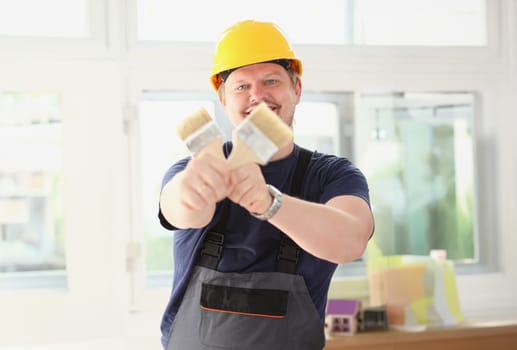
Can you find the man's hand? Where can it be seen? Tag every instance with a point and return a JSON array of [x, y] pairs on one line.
[[189, 199], [249, 190], [204, 181]]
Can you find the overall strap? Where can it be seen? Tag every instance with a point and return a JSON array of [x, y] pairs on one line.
[[290, 251], [212, 246]]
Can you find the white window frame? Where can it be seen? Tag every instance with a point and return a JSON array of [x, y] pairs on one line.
[[386, 69], [99, 44]]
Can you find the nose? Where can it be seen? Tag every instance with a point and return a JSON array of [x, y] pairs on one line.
[[257, 93]]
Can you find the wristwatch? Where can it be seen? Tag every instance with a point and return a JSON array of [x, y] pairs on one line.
[[275, 205]]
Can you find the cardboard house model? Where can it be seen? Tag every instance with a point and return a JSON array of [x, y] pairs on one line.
[[342, 316]]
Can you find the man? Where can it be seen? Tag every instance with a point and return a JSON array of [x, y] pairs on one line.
[[255, 248]]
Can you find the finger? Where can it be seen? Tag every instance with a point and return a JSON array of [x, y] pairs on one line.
[[194, 200], [205, 191], [238, 192], [207, 181], [215, 186]]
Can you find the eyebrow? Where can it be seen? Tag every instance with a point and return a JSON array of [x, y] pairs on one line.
[[264, 77]]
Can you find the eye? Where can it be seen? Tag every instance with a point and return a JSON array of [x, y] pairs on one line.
[[241, 87], [270, 82]]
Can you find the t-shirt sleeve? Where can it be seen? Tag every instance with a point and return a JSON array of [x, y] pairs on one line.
[[338, 176]]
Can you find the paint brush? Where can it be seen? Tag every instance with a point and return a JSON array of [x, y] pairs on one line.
[[200, 132], [258, 137]]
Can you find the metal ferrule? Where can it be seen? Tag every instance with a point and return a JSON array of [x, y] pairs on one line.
[[256, 140], [203, 136]]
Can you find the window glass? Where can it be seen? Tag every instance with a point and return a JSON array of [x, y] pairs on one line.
[[49, 18], [31, 221], [420, 22], [417, 152], [316, 127], [305, 21]]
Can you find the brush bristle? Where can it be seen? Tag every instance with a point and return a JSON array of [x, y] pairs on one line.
[[193, 122], [271, 125]]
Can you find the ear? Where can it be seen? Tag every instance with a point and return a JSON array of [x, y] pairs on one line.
[[298, 90], [222, 98]]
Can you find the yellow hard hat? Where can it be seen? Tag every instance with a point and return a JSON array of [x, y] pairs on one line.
[[248, 42]]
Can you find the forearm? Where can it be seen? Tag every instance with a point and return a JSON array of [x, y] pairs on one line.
[[337, 231]]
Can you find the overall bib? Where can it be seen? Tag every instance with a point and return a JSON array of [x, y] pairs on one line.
[[248, 311]]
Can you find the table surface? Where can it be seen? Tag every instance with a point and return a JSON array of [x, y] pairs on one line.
[[505, 331]]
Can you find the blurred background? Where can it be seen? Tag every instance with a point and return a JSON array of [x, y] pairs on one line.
[[420, 94]]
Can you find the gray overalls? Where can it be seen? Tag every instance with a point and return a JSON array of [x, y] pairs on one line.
[[248, 311]]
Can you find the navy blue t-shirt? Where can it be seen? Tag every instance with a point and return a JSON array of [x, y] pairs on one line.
[[251, 245]]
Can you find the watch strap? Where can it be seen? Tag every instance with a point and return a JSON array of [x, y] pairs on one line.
[[275, 204]]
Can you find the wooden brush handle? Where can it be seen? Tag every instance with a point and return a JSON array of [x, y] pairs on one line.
[[241, 155], [215, 147]]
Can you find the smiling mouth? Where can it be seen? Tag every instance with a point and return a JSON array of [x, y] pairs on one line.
[[274, 108]]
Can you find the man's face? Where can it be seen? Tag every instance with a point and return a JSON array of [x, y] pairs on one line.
[[247, 86]]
